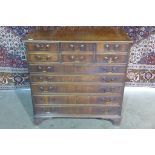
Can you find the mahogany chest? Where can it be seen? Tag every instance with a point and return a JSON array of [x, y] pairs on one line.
[[78, 72]]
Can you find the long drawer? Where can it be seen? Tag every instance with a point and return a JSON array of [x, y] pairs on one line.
[[76, 68], [77, 99], [88, 57], [98, 110], [77, 88], [78, 78]]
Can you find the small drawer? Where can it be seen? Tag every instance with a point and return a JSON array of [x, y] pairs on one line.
[[77, 58], [89, 110], [42, 57], [116, 47], [111, 58], [42, 47], [78, 78], [77, 69], [72, 46], [76, 88]]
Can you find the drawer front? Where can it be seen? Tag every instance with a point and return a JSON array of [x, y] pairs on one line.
[[111, 58], [113, 47], [77, 58], [41, 57], [54, 99], [100, 99], [76, 88], [78, 78], [106, 100], [72, 46], [78, 110], [42, 47], [77, 69]]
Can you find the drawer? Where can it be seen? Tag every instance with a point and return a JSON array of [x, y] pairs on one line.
[[42, 47], [92, 110], [72, 46], [43, 57], [113, 47], [76, 69], [78, 78], [111, 58], [53, 99], [76, 88], [77, 58], [106, 100]]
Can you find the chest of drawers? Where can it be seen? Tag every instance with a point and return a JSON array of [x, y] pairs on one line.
[[78, 72]]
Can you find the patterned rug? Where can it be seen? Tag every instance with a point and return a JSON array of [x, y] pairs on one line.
[[13, 64]]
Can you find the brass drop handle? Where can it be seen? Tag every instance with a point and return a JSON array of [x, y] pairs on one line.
[[116, 58], [81, 57], [49, 79], [109, 79], [72, 57], [111, 59], [40, 68], [41, 88], [82, 47], [107, 100], [47, 45], [50, 69], [72, 46], [48, 57], [38, 57], [42, 45], [51, 88], [40, 78], [107, 46], [117, 46], [104, 100], [106, 90]]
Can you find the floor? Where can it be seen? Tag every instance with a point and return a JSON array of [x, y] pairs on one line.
[[138, 112]]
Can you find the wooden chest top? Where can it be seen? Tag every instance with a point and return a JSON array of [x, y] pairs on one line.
[[83, 33]]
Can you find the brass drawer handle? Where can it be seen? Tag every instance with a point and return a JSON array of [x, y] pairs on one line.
[[38, 57], [82, 47], [40, 68], [42, 45], [106, 90], [47, 45], [116, 58], [116, 47], [48, 57], [50, 68], [109, 79], [104, 100], [72, 57], [40, 78], [71, 46], [81, 57], [111, 59], [51, 88], [41, 88], [49, 79], [107, 46]]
